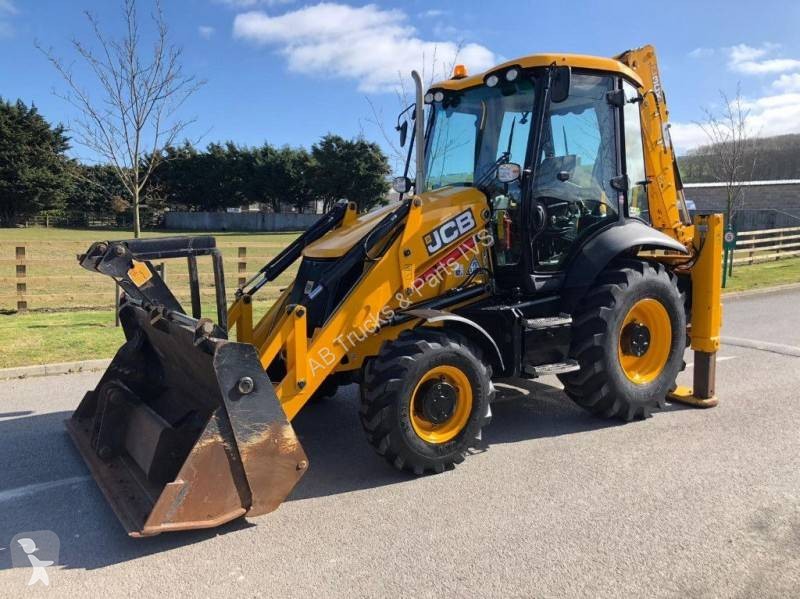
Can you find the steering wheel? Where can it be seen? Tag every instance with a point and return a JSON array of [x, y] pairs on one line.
[[538, 217]]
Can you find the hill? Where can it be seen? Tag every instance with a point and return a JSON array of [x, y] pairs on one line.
[[775, 158]]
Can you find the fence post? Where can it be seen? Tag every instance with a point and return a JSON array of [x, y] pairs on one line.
[[242, 266], [116, 305], [22, 283], [780, 246]]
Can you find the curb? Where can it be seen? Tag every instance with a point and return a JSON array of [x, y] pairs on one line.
[[24, 372], [746, 292]]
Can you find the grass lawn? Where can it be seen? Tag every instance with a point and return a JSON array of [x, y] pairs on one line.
[[45, 337], [54, 279], [766, 274], [42, 337]]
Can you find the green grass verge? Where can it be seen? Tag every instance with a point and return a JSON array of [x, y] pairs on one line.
[[766, 274], [46, 337]]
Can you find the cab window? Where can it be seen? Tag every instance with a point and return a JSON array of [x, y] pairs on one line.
[[634, 155], [572, 192]]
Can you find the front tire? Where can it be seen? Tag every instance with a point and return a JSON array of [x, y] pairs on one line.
[[424, 399], [629, 337]]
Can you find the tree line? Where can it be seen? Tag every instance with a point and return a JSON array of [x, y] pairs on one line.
[[36, 174], [767, 159]]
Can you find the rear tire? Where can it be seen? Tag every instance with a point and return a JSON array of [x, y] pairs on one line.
[[629, 335], [399, 403]]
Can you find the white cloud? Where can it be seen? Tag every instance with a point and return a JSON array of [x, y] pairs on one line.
[[787, 83], [702, 52], [687, 136], [368, 44], [433, 13], [206, 31], [770, 115], [7, 9], [752, 61]]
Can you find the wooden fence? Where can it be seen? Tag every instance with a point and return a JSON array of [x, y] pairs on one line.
[[46, 275], [753, 247]]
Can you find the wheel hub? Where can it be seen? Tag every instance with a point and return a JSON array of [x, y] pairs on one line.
[[635, 339], [438, 400]]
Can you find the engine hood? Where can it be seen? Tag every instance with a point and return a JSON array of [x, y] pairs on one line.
[[437, 206]]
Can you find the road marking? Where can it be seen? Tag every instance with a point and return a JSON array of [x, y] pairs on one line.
[[775, 348], [12, 494], [720, 359]]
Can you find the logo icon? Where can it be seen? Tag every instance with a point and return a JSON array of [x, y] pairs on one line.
[[37, 550], [449, 231]]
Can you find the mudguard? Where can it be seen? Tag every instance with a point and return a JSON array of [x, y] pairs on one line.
[[603, 248]]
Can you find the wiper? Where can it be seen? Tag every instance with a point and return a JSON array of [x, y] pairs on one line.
[[490, 172], [502, 159]]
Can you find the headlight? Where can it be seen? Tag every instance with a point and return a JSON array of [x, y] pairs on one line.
[[492, 80], [438, 96], [512, 74], [428, 98]]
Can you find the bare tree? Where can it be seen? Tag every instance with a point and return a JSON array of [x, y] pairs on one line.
[[432, 69], [141, 87], [731, 152]]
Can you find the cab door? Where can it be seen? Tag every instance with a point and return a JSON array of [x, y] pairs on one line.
[[576, 187]]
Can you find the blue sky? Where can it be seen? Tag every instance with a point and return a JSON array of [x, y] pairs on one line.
[[290, 71]]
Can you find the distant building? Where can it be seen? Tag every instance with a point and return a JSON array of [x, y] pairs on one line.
[[766, 204]]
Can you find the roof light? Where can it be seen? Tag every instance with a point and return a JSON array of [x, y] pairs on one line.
[[438, 96], [492, 80], [512, 74], [459, 71]]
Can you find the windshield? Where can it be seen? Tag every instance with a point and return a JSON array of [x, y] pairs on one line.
[[472, 129]]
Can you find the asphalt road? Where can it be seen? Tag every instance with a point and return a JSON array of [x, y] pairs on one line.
[[690, 503]]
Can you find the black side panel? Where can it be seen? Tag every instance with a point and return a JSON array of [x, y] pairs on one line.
[[600, 251], [502, 319], [321, 306]]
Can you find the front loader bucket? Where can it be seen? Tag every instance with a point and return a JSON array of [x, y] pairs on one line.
[[184, 429]]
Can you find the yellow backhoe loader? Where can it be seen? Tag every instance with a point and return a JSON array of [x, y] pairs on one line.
[[546, 233]]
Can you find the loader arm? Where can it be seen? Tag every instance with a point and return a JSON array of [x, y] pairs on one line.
[[394, 256]]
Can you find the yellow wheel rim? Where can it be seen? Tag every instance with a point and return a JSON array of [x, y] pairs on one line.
[[645, 368], [450, 428]]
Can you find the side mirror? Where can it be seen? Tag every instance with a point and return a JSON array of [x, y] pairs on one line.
[[403, 129], [508, 172], [401, 184], [560, 79]]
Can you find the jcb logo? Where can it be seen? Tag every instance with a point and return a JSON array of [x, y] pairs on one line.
[[449, 231]]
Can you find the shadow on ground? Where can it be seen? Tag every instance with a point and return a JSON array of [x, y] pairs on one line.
[[36, 449]]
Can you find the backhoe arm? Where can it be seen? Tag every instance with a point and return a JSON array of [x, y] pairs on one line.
[[668, 213]]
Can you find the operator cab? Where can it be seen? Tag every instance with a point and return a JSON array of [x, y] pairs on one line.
[[565, 129]]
